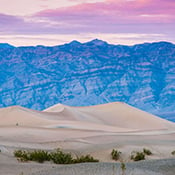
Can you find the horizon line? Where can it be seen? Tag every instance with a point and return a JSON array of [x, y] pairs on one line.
[[88, 41]]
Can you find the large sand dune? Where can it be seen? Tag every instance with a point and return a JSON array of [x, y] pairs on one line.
[[117, 116], [113, 114], [94, 129], [56, 122]]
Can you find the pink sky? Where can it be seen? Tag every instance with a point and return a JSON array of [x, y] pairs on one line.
[[53, 22]]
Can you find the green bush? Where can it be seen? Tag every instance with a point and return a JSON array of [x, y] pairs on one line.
[[22, 155], [86, 158], [39, 156], [115, 154], [123, 168], [137, 156], [18, 153], [147, 152], [173, 152], [57, 157]]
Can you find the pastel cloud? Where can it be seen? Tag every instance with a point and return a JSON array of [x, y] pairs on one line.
[[114, 15], [28, 7], [8, 23], [17, 25], [116, 11]]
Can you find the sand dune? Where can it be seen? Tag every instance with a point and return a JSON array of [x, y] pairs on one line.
[[79, 124], [110, 117], [17, 115], [113, 114]]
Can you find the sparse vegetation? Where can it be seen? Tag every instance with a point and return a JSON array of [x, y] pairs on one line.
[[137, 156], [147, 152], [39, 156], [22, 155], [123, 168], [58, 157], [86, 158], [115, 154], [173, 153]]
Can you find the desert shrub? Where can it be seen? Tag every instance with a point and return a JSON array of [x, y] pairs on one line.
[[173, 152], [59, 157], [123, 168], [18, 153], [86, 158], [137, 156], [115, 154], [147, 152], [22, 155], [39, 156]]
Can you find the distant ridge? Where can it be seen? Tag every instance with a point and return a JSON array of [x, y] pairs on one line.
[[6, 45], [97, 42], [91, 73], [91, 42]]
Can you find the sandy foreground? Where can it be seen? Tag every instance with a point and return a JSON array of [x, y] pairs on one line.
[[94, 130]]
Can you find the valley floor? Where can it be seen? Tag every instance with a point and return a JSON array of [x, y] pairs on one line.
[[10, 166]]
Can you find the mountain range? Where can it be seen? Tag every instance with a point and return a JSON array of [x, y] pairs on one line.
[[95, 72]]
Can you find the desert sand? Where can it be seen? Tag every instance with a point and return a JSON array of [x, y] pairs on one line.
[[94, 130]]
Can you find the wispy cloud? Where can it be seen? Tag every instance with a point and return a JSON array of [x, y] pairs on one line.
[[9, 24], [28, 7], [111, 16], [57, 39], [118, 11]]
